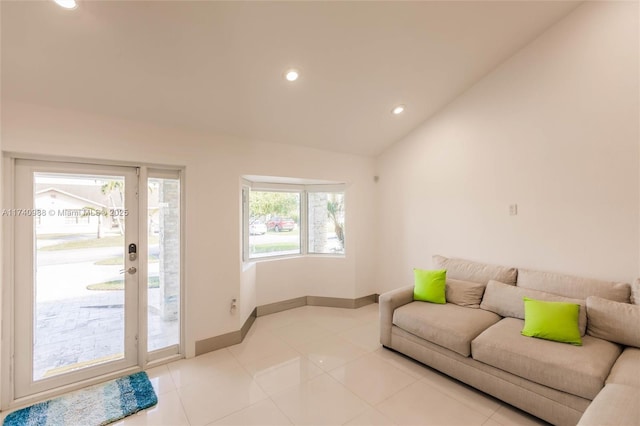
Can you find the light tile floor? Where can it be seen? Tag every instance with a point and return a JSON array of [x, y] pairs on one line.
[[316, 366]]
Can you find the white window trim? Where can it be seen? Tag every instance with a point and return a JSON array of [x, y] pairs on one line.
[[157, 355], [302, 188]]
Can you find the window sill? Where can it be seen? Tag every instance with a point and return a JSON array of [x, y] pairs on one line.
[[293, 256]]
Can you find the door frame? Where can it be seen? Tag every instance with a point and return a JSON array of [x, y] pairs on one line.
[[25, 275], [7, 287]]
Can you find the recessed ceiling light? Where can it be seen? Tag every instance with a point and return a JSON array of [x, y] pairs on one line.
[[398, 110], [67, 4], [292, 75]]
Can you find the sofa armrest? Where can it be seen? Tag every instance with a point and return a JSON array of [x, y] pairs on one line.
[[614, 405], [389, 302]]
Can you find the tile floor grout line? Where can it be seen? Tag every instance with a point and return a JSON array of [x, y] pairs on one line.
[[348, 390], [358, 415], [184, 411], [234, 412], [476, 392], [395, 393], [388, 361], [280, 409]]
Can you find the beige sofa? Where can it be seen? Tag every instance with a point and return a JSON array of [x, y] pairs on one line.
[[475, 337]]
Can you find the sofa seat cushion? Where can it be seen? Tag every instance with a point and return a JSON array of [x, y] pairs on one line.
[[626, 370], [578, 370], [450, 326], [615, 405]]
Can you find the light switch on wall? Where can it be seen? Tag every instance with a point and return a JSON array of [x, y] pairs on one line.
[[513, 209]]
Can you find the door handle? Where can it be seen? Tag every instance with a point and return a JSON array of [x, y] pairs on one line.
[[132, 270]]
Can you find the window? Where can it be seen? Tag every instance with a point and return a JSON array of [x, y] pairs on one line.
[[163, 271], [292, 219], [274, 223], [326, 222]]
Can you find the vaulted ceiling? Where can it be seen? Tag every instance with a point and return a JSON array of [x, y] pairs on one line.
[[218, 66]]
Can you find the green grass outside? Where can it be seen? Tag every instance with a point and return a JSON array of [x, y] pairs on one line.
[[116, 241], [81, 244], [51, 236], [154, 282], [119, 260], [295, 231], [273, 247]]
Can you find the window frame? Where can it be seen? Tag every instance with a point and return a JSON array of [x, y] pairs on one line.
[[325, 189], [148, 173], [303, 189]]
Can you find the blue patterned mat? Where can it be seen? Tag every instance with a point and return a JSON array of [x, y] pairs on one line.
[[96, 405]]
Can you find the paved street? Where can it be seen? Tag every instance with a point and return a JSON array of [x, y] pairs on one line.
[[66, 257], [64, 281]]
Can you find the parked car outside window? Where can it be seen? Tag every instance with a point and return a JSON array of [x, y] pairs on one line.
[[257, 228], [278, 224]]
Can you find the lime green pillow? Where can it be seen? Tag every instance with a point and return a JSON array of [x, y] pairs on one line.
[[556, 321], [430, 286]]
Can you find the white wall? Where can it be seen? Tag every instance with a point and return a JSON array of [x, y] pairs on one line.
[[339, 280], [553, 129], [214, 166]]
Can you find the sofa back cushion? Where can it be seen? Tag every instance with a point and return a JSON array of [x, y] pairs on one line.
[[508, 301], [571, 286], [466, 270], [614, 321], [464, 293]]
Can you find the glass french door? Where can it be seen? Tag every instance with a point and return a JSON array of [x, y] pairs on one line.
[[76, 273]]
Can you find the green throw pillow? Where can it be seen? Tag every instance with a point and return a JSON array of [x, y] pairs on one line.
[[429, 286], [556, 321]]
